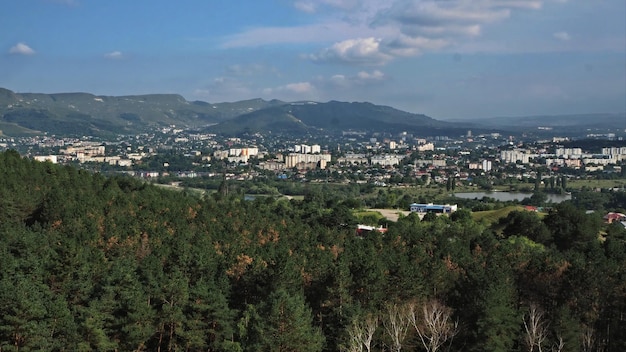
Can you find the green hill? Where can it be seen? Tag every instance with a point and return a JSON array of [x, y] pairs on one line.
[[334, 117], [492, 216], [88, 114]]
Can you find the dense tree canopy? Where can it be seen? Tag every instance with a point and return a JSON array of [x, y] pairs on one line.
[[113, 264]]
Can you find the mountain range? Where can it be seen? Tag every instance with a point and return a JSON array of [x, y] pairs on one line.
[[80, 114], [88, 114]]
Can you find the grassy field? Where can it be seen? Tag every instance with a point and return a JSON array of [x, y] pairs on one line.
[[578, 184], [491, 216]]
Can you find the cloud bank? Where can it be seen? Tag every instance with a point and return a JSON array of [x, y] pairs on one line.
[[114, 55], [21, 49]]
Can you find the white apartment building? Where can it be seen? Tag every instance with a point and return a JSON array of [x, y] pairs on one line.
[[513, 156], [220, 154], [351, 158], [487, 165], [614, 151], [425, 147], [618, 153], [569, 153], [433, 162], [42, 158], [86, 151], [600, 161], [236, 154], [252, 151], [294, 159], [386, 159], [307, 149]]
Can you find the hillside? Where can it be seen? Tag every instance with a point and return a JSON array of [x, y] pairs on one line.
[[91, 263], [88, 114], [334, 117], [84, 113]]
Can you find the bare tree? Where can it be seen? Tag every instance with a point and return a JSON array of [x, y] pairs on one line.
[[558, 347], [370, 326], [396, 324], [588, 338], [536, 327], [355, 336], [434, 325], [361, 333]]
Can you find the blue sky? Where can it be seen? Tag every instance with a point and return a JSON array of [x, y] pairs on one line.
[[449, 59]]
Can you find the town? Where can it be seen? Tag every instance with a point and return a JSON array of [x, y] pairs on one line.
[[485, 161]]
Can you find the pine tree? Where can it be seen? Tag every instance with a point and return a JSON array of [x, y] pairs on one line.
[[288, 325]]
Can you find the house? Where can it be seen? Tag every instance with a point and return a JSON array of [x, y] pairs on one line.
[[531, 208], [364, 229], [433, 208], [611, 217]]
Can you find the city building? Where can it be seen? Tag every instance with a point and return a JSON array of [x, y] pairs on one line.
[[433, 208]]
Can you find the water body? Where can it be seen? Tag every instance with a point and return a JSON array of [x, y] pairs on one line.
[[511, 196]]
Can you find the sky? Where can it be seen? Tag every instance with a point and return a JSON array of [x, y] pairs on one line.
[[448, 59]]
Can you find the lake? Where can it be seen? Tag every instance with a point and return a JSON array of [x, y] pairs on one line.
[[511, 196]]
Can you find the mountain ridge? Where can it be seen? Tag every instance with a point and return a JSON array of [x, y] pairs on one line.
[[80, 113], [86, 113]]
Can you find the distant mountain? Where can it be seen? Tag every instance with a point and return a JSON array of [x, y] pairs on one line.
[[576, 121], [333, 117], [274, 119], [88, 114], [77, 114]]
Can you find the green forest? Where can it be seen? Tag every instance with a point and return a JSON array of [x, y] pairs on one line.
[[95, 263]]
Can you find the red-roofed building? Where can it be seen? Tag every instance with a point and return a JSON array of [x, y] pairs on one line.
[[611, 217]]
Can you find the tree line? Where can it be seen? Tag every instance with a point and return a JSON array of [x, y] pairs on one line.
[[94, 263]]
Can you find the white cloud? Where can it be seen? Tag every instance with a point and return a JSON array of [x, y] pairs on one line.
[[361, 79], [322, 32], [564, 36], [371, 76], [292, 91], [115, 55], [300, 87], [373, 32], [411, 46], [21, 49], [366, 51], [407, 28], [432, 13]]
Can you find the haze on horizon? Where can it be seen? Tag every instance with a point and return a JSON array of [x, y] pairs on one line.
[[449, 59]]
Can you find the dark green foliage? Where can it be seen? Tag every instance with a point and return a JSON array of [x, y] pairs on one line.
[[571, 227], [287, 325], [102, 264], [528, 224]]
